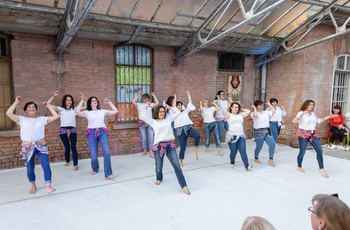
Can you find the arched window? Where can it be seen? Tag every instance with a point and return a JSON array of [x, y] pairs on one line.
[[340, 94], [133, 75]]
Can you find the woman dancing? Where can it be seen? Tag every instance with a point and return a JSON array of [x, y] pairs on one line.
[[235, 136], [171, 102], [276, 119], [210, 124], [146, 130], [183, 128], [33, 144], [306, 133], [261, 129], [68, 130], [219, 117], [97, 132], [163, 142]]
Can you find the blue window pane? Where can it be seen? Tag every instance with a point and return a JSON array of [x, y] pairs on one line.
[[131, 55]]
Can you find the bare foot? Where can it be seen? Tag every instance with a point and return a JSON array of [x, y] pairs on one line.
[[249, 167], [49, 189], [207, 150], [76, 167], [151, 154], [181, 163], [271, 163], [157, 182], [300, 169], [185, 189], [93, 173], [232, 165], [66, 164], [324, 173], [257, 161], [110, 177], [195, 153], [219, 152], [32, 189], [144, 153]]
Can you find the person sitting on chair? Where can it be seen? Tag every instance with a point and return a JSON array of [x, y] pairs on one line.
[[336, 128]]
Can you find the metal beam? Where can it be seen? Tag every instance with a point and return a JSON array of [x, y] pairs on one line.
[[254, 17], [133, 37], [71, 26], [323, 4]]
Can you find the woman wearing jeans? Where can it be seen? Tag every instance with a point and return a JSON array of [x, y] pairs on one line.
[[146, 130], [261, 130], [163, 142], [33, 143], [235, 136], [276, 119], [306, 133], [219, 117], [210, 124], [97, 132]]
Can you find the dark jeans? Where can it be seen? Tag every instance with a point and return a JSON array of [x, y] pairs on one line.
[[73, 142], [315, 144], [45, 165], [222, 125], [208, 130], [172, 156], [241, 146], [259, 144], [337, 134], [183, 140], [275, 130], [176, 137]]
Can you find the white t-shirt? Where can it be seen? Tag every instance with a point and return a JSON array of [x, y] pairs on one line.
[[308, 122], [183, 119], [67, 117], [96, 119], [235, 123], [208, 114], [347, 118], [263, 119], [32, 129], [223, 105], [141, 106], [277, 117]]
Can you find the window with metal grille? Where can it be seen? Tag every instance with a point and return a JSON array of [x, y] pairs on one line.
[[5, 84], [341, 82], [231, 61], [133, 75]]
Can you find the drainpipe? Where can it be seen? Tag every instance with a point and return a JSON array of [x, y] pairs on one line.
[[263, 82]]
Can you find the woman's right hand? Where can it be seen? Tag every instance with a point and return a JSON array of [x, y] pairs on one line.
[[18, 98], [253, 107], [56, 93]]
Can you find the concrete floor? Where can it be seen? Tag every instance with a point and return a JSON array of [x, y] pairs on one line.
[[222, 197]]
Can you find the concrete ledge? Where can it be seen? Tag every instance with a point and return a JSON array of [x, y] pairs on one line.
[[10, 133]]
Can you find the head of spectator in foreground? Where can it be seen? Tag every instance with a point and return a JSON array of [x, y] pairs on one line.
[[256, 223], [329, 213]]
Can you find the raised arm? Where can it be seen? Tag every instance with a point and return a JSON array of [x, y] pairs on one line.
[[284, 112], [12, 108], [156, 102], [327, 117], [143, 116], [216, 106], [218, 100], [78, 109], [297, 118], [229, 99], [189, 97], [255, 113], [135, 99], [271, 108], [246, 112], [55, 94], [54, 116], [200, 107], [225, 112], [114, 109]]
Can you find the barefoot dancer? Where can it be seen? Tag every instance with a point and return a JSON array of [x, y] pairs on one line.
[[306, 133], [261, 131], [276, 119], [33, 143], [183, 128], [97, 132], [219, 117], [163, 142], [210, 124], [146, 130], [68, 130]]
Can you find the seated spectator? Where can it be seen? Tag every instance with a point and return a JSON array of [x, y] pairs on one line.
[[329, 213], [257, 223], [336, 128]]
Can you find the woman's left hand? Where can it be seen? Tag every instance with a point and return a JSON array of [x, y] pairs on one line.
[[107, 101], [45, 104]]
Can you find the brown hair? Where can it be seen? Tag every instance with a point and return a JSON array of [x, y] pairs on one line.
[[306, 104], [257, 223], [235, 103], [334, 212]]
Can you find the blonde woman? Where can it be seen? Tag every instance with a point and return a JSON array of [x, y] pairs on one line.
[[257, 223]]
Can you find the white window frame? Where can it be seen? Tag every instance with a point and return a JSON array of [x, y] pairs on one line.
[[341, 73]]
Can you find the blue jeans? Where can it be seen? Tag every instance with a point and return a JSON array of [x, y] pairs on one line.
[[183, 140], [93, 145], [241, 146], [73, 142], [45, 165], [176, 137], [146, 132], [221, 126], [172, 156], [259, 144], [215, 131], [315, 144], [275, 130]]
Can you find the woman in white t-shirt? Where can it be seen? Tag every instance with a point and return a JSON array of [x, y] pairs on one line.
[[145, 130], [97, 132], [307, 133], [219, 117], [347, 122], [261, 129], [32, 131], [68, 130], [210, 125], [235, 136], [276, 119], [163, 142]]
